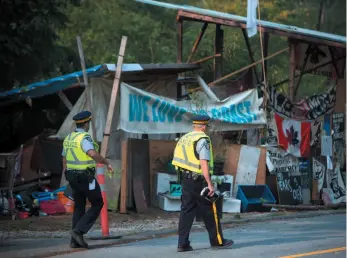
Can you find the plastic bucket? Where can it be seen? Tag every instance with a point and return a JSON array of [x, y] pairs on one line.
[[68, 204]]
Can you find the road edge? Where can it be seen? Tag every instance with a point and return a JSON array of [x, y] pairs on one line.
[[146, 235]]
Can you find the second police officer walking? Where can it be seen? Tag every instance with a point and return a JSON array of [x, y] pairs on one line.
[[193, 157], [80, 155]]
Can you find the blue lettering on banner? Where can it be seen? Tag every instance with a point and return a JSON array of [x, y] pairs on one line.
[[172, 113], [154, 114], [163, 111], [145, 108]]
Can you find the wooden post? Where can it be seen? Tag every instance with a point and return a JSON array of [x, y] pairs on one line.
[[179, 57], [123, 189], [291, 70], [113, 99], [250, 54], [197, 42], [218, 49], [179, 41], [85, 79]]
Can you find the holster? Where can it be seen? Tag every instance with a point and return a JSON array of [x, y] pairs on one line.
[[179, 175], [90, 174]]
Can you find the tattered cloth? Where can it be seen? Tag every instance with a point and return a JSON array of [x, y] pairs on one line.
[[307, 109]]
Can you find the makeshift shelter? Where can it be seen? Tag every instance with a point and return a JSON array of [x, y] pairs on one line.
[[309, 52], [159, 78]]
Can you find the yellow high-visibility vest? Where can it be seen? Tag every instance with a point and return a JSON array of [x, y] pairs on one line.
[[185, 155], [76, 158]]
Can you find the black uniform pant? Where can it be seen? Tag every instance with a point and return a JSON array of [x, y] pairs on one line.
[[82, 221], [192, 203]]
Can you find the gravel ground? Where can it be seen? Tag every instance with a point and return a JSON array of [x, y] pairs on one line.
[[59, 226]]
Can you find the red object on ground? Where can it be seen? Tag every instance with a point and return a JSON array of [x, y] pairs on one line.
[[100, 172], [52, 207], [23, 214], [68, 204]]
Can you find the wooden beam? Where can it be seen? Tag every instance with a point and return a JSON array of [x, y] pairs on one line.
[[218, 50], [113, 99], [179, 41], [246, 67], [65, 100], [309, 70], [291, 70], [250, 53], [205, 59], [197, 42], [123, 189], [85, 79], [184, 15]]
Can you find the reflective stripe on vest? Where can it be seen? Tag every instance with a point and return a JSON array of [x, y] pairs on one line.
[[183, 160], [75, 156]]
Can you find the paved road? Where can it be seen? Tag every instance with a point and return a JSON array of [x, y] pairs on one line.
[[283, 238]]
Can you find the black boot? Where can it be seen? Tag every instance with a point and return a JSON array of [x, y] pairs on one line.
[[226, 244], [78, 237], [185, 248]]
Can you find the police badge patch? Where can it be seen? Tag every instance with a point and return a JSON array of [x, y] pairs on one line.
[[207, 144], [89, 139]]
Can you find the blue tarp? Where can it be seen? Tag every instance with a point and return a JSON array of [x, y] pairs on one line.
[[39, 89]]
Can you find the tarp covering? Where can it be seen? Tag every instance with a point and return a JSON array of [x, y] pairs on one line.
[[53, 85], [101, 93]]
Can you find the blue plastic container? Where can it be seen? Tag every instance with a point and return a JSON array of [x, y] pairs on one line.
[[175, 189], [253, 196], [46, 196]]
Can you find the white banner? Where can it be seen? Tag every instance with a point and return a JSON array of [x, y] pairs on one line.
[[147, 113], [279, 161]]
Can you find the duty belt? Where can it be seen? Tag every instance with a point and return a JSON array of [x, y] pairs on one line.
[[87, 171], [192, 175]]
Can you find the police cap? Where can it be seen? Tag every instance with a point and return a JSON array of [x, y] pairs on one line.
[[201, 119], [82, 117]]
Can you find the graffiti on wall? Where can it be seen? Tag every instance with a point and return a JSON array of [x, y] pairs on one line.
[[307, 109]]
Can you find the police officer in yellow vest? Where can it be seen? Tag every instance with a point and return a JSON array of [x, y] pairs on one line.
[[80, 155], [193, 157]]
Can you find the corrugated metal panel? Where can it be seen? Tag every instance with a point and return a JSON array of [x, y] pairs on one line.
[[266, 24]]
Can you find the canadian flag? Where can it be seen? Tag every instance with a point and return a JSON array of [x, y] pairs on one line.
[[294, 136]]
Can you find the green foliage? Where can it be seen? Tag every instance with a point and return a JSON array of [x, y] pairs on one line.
[[28, 40], [31, 49]]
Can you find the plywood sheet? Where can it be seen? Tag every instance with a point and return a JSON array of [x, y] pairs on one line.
[[113, 185], [247, 167], [232, 159], [261, 173], [160, 152], [139, 195], [138, 168]]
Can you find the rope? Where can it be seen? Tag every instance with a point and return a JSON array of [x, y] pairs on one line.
[[263, 61]]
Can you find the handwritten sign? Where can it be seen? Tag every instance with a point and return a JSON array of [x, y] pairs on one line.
[[338, 126], [146, 113], [279, 161], [289, 189]]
